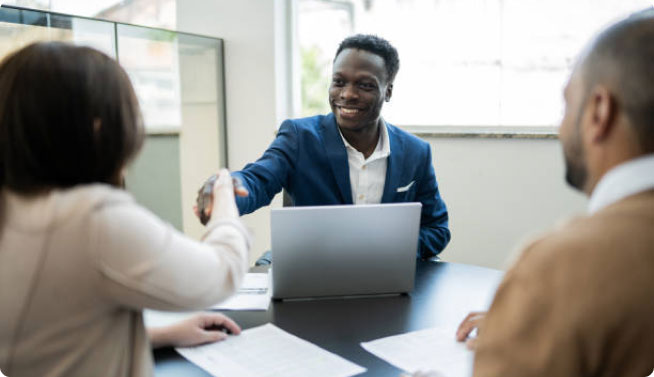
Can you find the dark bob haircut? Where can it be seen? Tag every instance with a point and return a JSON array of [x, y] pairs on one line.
[[68, 116], [376, 45]]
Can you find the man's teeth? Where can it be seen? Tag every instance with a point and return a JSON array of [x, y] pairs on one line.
[[349, 111]]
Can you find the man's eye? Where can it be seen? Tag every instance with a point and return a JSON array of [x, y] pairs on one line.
[[337, 82], [367, 85]]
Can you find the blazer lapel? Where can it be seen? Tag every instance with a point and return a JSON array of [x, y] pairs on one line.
[[337, 156], [394, 165]]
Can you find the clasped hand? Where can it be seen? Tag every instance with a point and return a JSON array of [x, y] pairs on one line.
[[220, 189]]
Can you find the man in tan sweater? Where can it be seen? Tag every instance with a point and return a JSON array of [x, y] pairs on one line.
[[580, 300]]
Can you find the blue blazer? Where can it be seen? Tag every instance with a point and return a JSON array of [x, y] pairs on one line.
[[308, 159]]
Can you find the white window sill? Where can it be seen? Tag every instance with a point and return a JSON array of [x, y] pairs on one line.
[[499, 132]]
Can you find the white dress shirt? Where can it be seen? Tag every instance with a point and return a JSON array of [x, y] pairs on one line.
[[368, 176], [624, 180]]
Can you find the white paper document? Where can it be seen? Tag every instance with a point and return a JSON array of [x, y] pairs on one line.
[[431, 349], [268, 351], [254, 294]]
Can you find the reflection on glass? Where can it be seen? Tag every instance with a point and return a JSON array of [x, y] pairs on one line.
[[151, 59], [154, 13], [171, 72], [19, 28]]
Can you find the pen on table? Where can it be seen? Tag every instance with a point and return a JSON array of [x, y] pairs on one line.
[[422, 374], [473, 334], [219, 328]]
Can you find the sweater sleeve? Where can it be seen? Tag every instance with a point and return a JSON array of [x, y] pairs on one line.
[[531, 328], [146, 263]]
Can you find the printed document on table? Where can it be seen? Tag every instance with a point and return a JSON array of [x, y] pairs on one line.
[[254, 294], [431, 349], [268, 351]]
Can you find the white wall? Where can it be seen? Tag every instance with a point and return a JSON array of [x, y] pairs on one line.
[[247, 28], [498, 191]]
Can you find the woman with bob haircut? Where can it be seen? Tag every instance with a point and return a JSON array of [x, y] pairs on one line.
[[79, 259]]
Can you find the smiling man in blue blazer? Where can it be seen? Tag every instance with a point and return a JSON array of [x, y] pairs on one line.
[[352, 156]]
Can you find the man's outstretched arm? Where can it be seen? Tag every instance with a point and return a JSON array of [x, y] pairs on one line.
[[266, 177]]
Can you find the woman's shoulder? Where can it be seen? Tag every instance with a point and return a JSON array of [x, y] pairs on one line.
[[35, 212], [90, 198]]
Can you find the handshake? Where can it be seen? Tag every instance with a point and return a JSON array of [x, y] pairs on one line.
[[217, 196]]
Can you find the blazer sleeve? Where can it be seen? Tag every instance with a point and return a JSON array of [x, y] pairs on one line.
[[267, 176], [143, 262], [434, 231]]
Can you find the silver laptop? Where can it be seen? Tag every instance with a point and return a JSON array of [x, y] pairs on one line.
[[344, 250]]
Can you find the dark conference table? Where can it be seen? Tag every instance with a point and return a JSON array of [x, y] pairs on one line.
[[444, 293]]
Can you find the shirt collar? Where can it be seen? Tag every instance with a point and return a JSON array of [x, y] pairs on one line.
[[383, 148], [624, 180]]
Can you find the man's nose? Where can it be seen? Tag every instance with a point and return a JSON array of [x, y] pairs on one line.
[[349, 92]]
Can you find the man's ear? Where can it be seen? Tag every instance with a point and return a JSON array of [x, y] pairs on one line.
[[389, 92], [602, 108]]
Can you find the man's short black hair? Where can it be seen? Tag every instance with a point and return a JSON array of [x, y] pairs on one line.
[[621, 57], [376, 45], [68, 116]]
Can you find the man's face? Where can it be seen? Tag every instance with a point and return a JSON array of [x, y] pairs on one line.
[[570, 132], [358, 89]]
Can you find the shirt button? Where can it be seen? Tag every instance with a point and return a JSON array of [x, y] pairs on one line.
[[361, 196], [364, 167]]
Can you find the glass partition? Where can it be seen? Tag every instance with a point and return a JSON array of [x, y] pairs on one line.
[[151, 59], [178, 79], [20, 27]]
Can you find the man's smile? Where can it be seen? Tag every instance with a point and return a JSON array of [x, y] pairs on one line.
[[348, 111]]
